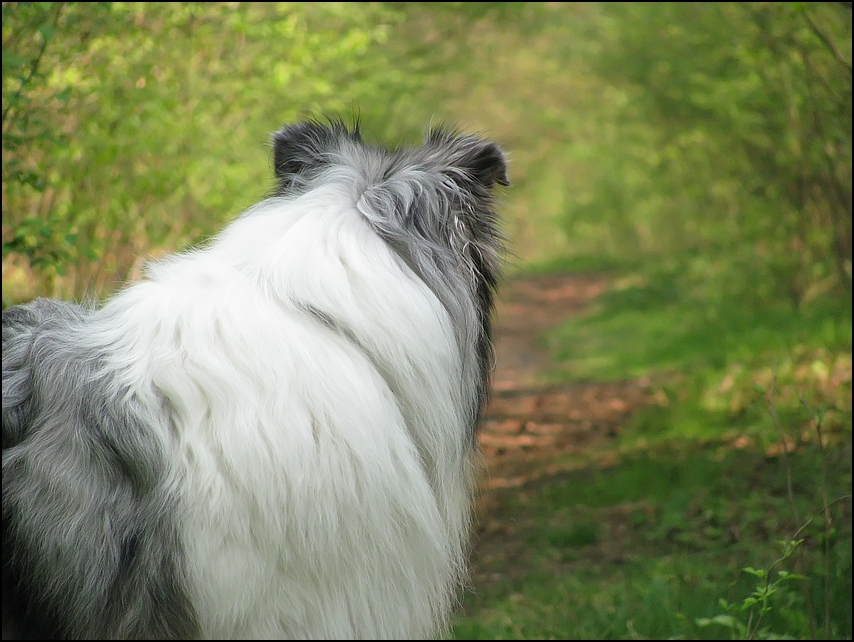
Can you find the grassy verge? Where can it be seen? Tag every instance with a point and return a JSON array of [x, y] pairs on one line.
[[649, 546], [717, 361], [684, 534]]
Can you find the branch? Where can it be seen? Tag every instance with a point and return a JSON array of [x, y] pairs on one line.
[[827, 42], [33, 67]]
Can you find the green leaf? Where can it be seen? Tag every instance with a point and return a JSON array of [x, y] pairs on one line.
[[749, 602], [12, 60], [723, 620], [785, 575], [46, 31]]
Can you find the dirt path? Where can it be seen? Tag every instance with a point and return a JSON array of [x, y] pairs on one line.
[[535, 432], [529, 425]]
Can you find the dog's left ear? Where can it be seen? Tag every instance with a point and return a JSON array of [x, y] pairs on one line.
[[485, 162], [478, 159]]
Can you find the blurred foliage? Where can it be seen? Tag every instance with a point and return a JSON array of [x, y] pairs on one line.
[[733, 137], [634, 130], [127, 126]]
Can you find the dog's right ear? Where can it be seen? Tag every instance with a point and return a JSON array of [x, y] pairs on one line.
[[300, 148]]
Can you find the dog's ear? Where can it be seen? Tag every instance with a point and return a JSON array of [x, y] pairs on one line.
[[485, 162], [479, 160], [302, 147]]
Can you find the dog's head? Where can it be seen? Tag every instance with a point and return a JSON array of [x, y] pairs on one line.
[[433, 203], [303, 150]]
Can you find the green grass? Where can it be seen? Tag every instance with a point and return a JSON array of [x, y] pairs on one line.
[[649, 544], [657, 599], [659, 322], [716, 354], [580, 263]]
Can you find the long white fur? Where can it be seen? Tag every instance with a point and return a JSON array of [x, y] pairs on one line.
[[317, 493]]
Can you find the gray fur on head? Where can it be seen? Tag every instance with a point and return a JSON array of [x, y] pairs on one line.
[[433, 204]]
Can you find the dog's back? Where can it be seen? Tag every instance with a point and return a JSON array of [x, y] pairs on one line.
[[90, 545]]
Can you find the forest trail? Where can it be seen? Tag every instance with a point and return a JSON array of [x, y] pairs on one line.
[[535, 432], [530, 425]]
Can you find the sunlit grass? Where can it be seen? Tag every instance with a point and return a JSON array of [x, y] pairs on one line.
[[715, 357], [657, 322], [644, 548]]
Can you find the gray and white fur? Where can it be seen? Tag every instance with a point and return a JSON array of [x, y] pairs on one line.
[[271, 436]]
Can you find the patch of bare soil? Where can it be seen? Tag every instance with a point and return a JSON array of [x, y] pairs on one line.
[[530, 427]]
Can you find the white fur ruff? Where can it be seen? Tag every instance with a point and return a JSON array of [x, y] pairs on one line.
[[310, 513]]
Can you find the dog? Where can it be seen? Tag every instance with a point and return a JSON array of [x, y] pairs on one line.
[[273, 435]]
